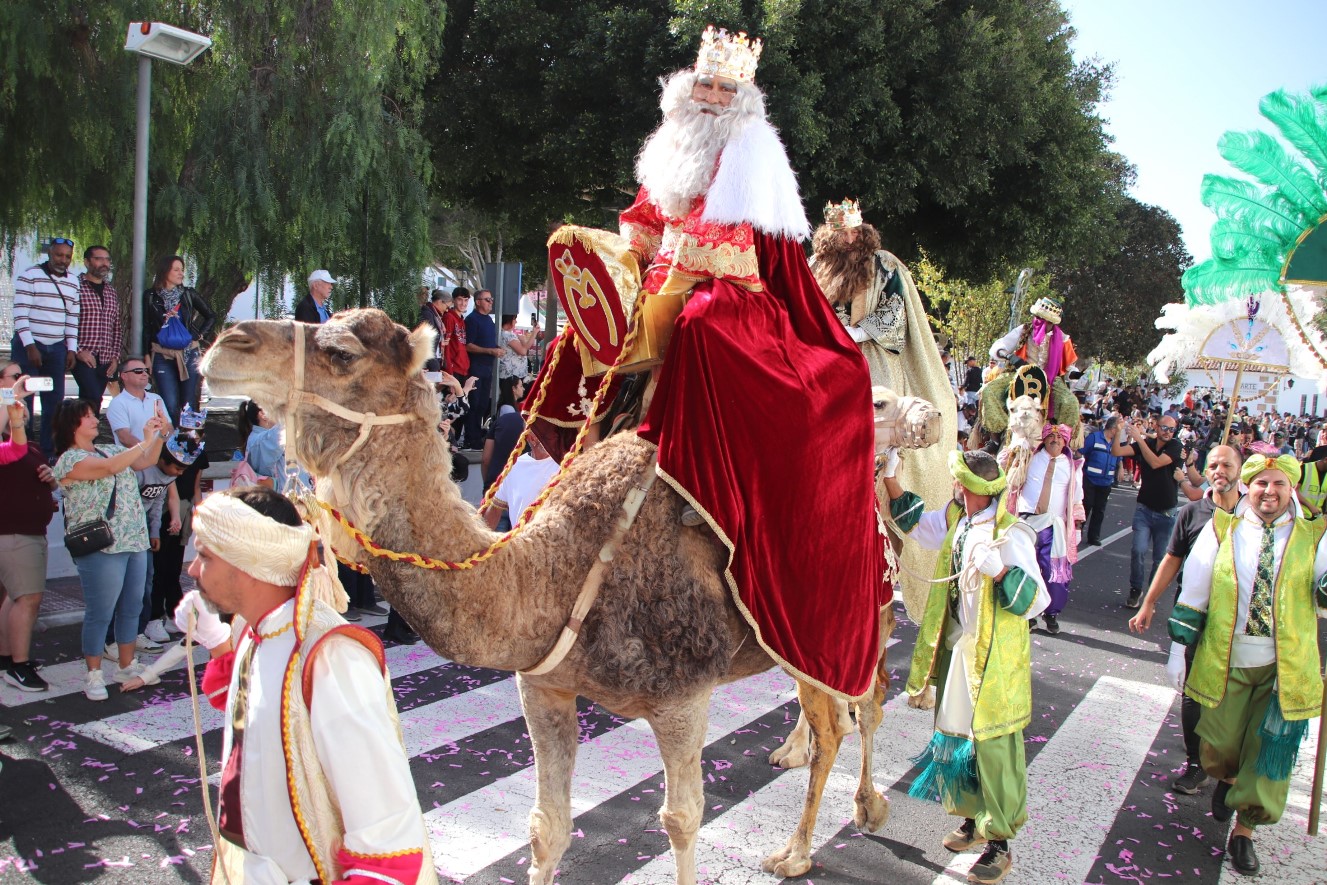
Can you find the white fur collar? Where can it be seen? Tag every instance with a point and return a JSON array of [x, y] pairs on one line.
[[755, 184]]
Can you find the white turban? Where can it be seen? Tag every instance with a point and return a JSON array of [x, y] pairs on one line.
[[255, 544]]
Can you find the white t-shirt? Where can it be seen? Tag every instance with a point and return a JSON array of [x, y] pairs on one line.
[[128, 412], [526, 480]]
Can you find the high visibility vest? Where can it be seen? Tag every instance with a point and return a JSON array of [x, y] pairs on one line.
[[1312, 486]]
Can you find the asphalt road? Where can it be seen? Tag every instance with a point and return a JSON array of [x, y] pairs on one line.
[[108, 792]]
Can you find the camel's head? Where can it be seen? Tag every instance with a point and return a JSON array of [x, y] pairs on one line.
[[1026, 418], [359, 359], [907, 422]]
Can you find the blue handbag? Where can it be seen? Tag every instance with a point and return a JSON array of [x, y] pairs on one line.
[[174, 335]]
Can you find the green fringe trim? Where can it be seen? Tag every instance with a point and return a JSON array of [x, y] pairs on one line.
[[950, 769], [1280, 742]]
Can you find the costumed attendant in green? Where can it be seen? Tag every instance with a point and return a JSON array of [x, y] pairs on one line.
[[974, 647], [1251, 586]]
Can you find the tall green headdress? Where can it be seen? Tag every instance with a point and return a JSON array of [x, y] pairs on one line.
[[1270, 232]]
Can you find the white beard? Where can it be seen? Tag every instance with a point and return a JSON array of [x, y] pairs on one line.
[[679, 160]]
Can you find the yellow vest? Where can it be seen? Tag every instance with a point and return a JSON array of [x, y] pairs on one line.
[[1312, 486], [1001, 685], [1294, 623]]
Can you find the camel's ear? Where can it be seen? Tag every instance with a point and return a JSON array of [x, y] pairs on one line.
[[421, 347]]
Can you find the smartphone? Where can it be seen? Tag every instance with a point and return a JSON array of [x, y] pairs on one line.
[[8, 397], [39, 384], [433, 377]]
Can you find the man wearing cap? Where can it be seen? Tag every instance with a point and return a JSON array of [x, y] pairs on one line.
[[315, 782], [313, 308], [1253, 590], [434, 315], [974, 648]]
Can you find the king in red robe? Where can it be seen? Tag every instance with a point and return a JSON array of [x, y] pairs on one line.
[[762, 411]]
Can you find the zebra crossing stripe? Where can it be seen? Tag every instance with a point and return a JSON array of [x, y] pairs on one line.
[[152, 725], [1077, 782], [1285, 851], [484, 826], [67, 678], [730, 848]]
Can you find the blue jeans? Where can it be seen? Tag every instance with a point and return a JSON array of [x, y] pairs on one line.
[[91, 382], [1151, 528], [174, 391], [53, 367], [112, 594]]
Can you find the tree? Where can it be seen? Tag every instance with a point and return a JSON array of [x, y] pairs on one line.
[[966, 128], [1111, 305], [293, 143], [971, 315]]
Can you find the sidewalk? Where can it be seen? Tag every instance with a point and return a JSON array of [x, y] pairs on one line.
[[62, 602]]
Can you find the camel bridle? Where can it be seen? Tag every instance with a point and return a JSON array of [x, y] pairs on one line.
[[367, 421]]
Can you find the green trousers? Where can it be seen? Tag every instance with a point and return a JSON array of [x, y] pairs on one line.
[[1000, 804], [1230, 745]]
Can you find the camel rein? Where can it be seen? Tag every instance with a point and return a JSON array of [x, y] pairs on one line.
[[631, 505], [366, 420]]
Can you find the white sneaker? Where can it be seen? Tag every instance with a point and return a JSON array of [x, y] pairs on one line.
[[171, 629], [124, 674], [95, 686], [142, 643], [156, 631], [112, 651]]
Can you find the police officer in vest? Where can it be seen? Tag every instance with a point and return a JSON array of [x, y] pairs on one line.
[[1098, 475]]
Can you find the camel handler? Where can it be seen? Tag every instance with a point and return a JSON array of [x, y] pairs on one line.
[[974, 647], [1251, 585], [304, 686], [876, 300]]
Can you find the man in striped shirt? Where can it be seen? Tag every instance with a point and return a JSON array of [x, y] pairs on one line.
[[46, 303], [100, 332]]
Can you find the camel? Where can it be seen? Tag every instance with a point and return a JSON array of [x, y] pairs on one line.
[[662, 635]]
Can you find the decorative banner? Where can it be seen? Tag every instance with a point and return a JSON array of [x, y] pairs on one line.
[[587, 289]]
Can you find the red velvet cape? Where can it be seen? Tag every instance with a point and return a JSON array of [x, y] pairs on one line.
[[763, 416]]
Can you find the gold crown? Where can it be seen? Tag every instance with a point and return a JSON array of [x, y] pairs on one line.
[[725, 55], [843, 215]]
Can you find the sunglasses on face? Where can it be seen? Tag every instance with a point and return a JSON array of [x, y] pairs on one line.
[[133, 372]]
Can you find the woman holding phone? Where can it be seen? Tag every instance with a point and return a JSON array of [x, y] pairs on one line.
[[99, 483]]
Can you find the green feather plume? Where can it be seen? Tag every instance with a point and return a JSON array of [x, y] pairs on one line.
[[1263, 158], [1249, 205], [1233, 242], [1258, 224], [1303, 122], [1215, 281]]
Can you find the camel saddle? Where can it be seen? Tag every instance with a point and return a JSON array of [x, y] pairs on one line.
[[597, 280]]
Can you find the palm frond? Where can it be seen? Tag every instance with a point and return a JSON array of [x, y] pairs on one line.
[[1303, 122], [1262, 157], [1250, 205]]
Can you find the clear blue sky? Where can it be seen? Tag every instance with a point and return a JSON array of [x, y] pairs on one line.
[[1187, 71]]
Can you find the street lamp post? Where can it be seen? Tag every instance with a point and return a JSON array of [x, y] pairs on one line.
[[150, 40]]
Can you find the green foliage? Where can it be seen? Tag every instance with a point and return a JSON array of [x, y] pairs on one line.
[[294, 143], [971, 315], [1111, 306], [965, 128]]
